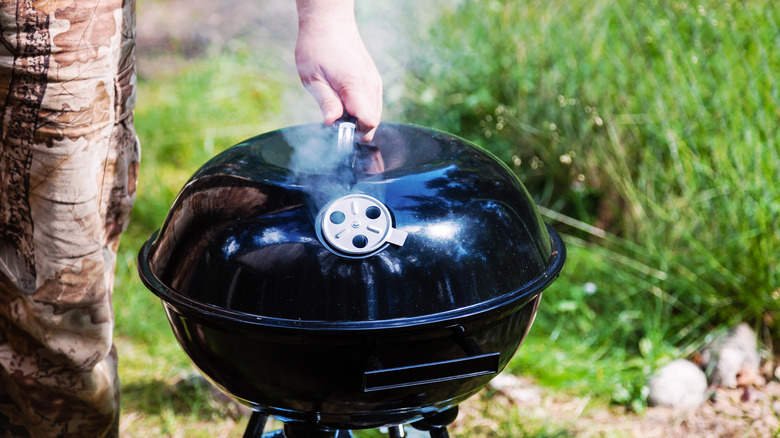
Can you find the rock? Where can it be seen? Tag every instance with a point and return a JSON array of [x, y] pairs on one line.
[[732, 360], [680, 384]]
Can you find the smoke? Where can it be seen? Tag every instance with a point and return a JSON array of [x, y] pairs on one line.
[[388, 30], [318, 164], [315, 150], [393, 33], [328, 167]]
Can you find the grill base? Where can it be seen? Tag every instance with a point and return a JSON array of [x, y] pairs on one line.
[[434, 425]]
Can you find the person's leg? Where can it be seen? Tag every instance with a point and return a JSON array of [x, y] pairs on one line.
[[68, 166]]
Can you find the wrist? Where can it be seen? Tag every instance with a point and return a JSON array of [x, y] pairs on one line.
[[325, 11]]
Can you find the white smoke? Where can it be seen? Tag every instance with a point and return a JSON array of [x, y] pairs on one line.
[[315, 151]]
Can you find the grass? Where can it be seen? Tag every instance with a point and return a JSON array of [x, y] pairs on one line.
[[649, 126], [184, 118], [645, 130]]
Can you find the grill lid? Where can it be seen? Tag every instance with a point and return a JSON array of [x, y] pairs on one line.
[[427, 224]]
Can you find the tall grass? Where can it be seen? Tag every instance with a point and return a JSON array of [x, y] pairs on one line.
[[652, 125]]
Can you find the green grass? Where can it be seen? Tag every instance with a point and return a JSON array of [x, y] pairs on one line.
[[646, 130], [650, 128], [183, 118]]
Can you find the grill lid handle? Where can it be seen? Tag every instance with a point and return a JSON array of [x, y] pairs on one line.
[[346, 138]]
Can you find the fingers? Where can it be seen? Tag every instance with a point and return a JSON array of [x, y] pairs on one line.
[[360, 101], [328, 100], [365, 104]]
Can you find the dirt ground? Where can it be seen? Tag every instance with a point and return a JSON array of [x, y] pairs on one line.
[[171, 29], [742, 412]]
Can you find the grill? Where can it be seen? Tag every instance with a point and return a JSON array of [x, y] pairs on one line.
[[338, 287]]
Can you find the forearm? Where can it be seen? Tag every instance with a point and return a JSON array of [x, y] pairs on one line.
[[327, 9], [318, 18]]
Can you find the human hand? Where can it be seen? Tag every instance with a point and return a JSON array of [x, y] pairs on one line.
[[335, 66]]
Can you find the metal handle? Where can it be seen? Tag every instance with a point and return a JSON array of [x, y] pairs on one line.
[[346, 138], [434, 372], [345, 125]]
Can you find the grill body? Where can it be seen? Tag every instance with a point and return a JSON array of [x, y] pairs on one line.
[[284, 322]]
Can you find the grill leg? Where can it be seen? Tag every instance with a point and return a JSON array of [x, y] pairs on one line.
[[256, 425], [436, 424], [439, 432], [395, 432], [304, 430]]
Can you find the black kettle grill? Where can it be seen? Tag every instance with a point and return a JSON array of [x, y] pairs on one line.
[[378, 290]]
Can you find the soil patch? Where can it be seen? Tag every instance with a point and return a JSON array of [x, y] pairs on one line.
[[742, 412]]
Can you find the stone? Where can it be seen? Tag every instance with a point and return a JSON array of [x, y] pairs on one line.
[[679, 384], [732, 360]]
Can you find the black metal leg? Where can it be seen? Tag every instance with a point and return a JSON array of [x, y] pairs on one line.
[[436, 424], [307, 430], [256, 425], [439, 432], [395, 432]]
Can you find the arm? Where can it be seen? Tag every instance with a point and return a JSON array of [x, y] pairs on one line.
[[335, 66]]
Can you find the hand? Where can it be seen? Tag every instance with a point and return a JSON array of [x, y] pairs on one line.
[[335, 66]]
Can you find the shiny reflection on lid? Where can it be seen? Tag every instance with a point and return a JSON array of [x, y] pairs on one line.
[[443, 230], [448, 233], [271, 236], [231, 246]]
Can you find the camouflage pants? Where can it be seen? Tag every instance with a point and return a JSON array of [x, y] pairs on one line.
[[68, 165]]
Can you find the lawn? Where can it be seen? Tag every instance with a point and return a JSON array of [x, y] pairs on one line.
[[646, 131]]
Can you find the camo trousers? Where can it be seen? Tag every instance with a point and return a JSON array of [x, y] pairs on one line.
[[68, 165]]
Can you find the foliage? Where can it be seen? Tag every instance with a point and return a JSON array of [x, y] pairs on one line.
[[648, 126]]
